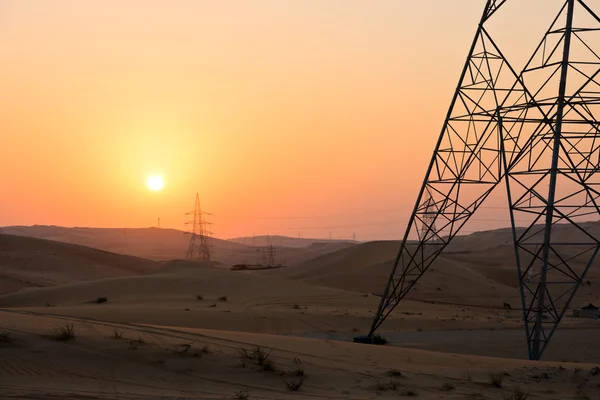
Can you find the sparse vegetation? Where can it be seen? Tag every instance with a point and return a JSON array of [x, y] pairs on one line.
[[294, 385], [268, 365], [260, 356], [469, 376], [101, 300], [212, 305], [117, 334], [6, 338], [199, 297], [394, 373], [409, 393], [446, 387], [243, 394], [517, 394], [296, 307], [496, 379], [383, 386], [134, 344], [64, 333], [223, 298]]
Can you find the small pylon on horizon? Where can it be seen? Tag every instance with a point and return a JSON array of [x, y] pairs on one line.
[[199, 248]]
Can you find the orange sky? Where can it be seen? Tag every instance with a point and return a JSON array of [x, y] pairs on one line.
[[287, 117]]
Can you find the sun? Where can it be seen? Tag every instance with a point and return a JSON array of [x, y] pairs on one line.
[[155, 183]]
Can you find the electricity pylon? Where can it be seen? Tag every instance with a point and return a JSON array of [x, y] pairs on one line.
[[199, 247], [537, 131]]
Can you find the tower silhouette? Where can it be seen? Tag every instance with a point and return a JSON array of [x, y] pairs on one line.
[[534, 132], [199, 247]]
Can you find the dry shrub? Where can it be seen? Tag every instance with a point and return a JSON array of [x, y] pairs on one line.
[[294, 385], [64, 333], [243, 394], [496, 379]]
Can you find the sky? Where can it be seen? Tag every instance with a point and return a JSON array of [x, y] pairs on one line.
[[302, 118]]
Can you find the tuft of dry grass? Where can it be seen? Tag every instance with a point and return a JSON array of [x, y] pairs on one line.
[[517, 394], [394, 373], [6, 338], [294, 385], [496, 379], [64, 333], [134, 344], [243, 394], [117, 334]]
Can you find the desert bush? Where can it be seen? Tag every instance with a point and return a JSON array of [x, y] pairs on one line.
[[64, 333], [6, 338], [212, 305], [293, 386], [268, 365], [101, 300], [446, 387], [517, 394], [296, 361], [394, 373], [296, 307], [223, 298], [496, 379], [409, 393], [260, 356], [134, 344], [383, 386], [199, 297], [243, 394], [117, 334]]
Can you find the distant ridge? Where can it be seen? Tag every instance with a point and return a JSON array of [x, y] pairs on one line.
[[285, 241]]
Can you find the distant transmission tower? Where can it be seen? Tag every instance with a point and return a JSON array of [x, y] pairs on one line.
[[534, 132], [199, 247]]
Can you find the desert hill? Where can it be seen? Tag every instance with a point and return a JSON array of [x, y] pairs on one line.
[[475, 269], [171, 244], [284, 241], [151, 243], [31, 262]]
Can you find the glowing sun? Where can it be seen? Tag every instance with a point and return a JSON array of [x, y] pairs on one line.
[[155, 183]]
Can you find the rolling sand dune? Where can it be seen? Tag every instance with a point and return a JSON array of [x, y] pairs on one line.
[[171, 244], [150, 243], [158, 362], [29, 262], [307, 315], [483, 274]]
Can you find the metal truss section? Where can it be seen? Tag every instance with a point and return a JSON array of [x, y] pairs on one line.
[[537, 131]]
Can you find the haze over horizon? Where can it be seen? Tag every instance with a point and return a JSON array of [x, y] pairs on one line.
[[287, 117]]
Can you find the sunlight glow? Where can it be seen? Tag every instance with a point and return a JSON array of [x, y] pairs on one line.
[[155, 183]]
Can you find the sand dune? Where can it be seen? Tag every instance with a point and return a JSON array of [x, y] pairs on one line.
[[29, 262], [150, 243], [307, 314], [171, 244], [151, 362]]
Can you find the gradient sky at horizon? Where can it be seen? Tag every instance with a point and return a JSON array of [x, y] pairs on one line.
[[288, 117]]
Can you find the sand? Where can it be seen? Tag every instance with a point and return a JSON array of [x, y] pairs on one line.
[[444, 343]]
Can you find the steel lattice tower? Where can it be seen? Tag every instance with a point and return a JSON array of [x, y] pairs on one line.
[[199, 247], [534, 132]]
